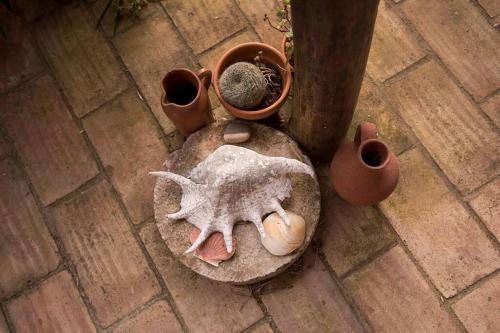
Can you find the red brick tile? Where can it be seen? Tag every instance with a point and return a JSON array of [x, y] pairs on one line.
[[436, 227], [55, 306], [127, 141], [110, 265], [492, 108], [205, 305], [393, 296], [393, 46], [18, 59], [350, 234], [492, 7], [157, 318], [309, 301], [454, 131], [31, 10], [209, 59], [108, 21], [462, 38], [204, 23], [372, 107], [486, 203], [262, 328], [3, 325], [4, 147], [148, 59], [47, 139], [27, 249], [254, 10], [479, 311], [82, 61]]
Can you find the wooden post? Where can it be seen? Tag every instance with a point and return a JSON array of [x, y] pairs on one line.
[[331, 43]]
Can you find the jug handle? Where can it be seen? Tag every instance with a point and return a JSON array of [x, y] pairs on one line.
[[205, 76], [365, 132]]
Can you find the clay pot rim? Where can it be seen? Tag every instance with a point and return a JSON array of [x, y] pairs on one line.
[[271, 109], [378, 141], [198, 92]]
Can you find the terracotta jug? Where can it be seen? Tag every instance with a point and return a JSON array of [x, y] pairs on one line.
[[364, 172], [184, 99]]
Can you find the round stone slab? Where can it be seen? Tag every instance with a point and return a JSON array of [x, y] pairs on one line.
[[251, 262]]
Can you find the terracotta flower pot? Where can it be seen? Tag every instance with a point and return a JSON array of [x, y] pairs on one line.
[[283, 50], [364, 172], [247, 52], [184, 99]]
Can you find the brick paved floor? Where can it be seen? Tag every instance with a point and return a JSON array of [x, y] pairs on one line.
[[81, 124]]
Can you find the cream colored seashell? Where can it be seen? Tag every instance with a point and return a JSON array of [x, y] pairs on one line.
[[282, 239]]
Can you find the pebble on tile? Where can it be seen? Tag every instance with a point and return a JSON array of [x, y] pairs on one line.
[[236, 132]]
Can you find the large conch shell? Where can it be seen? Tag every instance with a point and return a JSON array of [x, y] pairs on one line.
[[233, 184], [282, 239]]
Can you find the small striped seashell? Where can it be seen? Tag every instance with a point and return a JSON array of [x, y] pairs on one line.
[[213, 250], [282, 239]]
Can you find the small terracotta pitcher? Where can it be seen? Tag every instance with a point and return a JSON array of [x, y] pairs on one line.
[[184, 99], [364, 172]]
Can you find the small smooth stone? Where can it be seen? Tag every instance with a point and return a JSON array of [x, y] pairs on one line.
[[236, 132]]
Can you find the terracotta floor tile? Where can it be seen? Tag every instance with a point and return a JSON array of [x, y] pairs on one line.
[[394, 297], [206, 306], [254, 10], [127, 141], [110, 265], [4, 147], [148, 59], [350, 234], [486, 203], [462, 38], [453, 130], [108, 21], [3, 325], [309, 301], [373, 108], [18, 59], [54, 306], [204, 23], [80, 58], [262, 328], [26, 246], [157, 318], [492, 7], [438, 230], [492, 108], [479, 311], [393, 47], [49, 143]]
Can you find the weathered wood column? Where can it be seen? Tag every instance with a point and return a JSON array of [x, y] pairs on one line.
[[331, 43]]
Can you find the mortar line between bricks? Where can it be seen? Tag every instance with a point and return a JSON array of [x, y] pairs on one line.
[[401, 75], [10, 326], [130, 77], [423, 274], [360, 317], [372, 257], [249, 24], [475, 192], [24, 81], [423, 42], [483, 12], [222, 41], [249, 329], [64, 263], [263, 308], [476, 285], [116, 196]]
